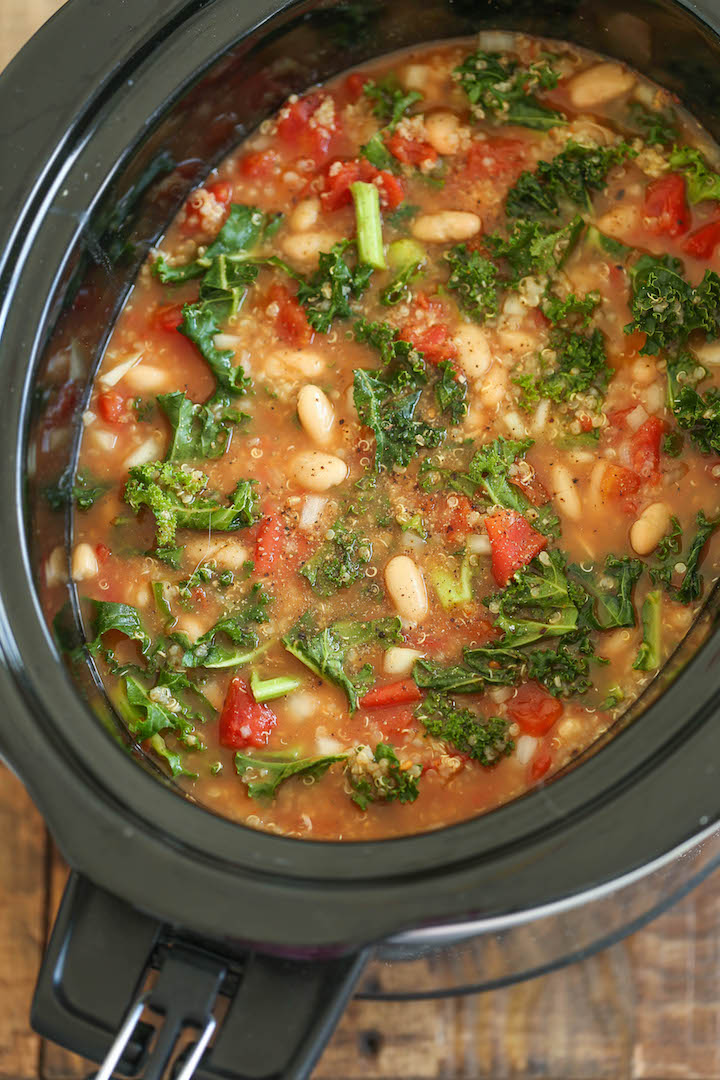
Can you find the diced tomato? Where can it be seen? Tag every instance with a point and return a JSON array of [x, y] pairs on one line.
[[495, 158], [398, 693], [701, 244], [534, 710], [645, 448], [616, 417], [513, 543], [665, 210], [111, 407], [435, 342], [535, 491], [168, 317], [394, 720], [411, 151], [355, 83], [243, 721], [291, 321], [221, 190], [296, 128], [102, 552], [341, 174], [618, 481], [540, 763], [269, 545], [259, 164]]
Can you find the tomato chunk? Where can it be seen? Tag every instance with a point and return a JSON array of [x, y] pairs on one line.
[[645, 448], [618, 481], [435, 342], [168, 317], [701, 244], [269, 545], [399, 693], [666, 210], [221, 190], [243, 721], [540, 763], [341, 174], [411, 151], [298, 127], [111, 407], [355, 83], [534, 710], [258, 164], [291, 321], [495, 158], [513, 543]]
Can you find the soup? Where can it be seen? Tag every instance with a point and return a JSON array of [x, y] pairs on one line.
[[397, 484]]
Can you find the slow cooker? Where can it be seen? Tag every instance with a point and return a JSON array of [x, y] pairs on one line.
[[244, 946]]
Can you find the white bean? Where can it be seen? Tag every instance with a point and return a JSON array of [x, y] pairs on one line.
[[444, 132], [473, 350], [619, 221], [599, 84], [56, 567], [648, 530], [446, 225], [518, 342], [149, 450], [399, 661], [565, 493], [406, 585], [316, 414], [305, 215], [293, 364], [644, 371], [84, 562], [317, 471], [306, 246], [708, 353], [415, 76], [494, 387]]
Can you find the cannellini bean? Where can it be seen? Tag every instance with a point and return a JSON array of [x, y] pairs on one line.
[[146, 379], [306, 246], [293, 364], [84, 562], [317, 471], [312, 510], [648, 530], [515, 424], [564, 493], [494, 386], [190, 625], [316, 414], [399, 661], [446, 225], [56, 567], [518, 342], [708, 353], [444, 132], [643, 371], [620, 221], [415, 76], [149, 450], [102, 439], [231, 556], [599, 84], [478, 544], [473, 350], [305, 215], [406, 585]]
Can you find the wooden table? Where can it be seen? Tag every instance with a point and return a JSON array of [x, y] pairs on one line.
[[647, 1009]]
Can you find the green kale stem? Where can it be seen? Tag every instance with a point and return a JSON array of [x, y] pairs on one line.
[[369, 225]]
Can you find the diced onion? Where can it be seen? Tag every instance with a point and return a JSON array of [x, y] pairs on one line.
[[114, 375], [525, 748], [147, 451], [326, 745], [636, 418], [478, 544], [313, 506], [515, 425]]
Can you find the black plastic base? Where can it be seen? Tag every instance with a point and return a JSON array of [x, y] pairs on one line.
[[278, 1013]]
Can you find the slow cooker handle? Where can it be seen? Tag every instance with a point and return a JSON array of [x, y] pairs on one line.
[[253, 1016]]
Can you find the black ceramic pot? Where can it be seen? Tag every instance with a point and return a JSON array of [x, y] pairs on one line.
[[108, 118]]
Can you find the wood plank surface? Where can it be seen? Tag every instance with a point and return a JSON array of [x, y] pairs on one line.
[[645, 1009]]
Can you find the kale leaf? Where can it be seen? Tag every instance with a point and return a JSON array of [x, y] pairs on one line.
[[492, 470], [239, 626], [535, 248], [580, 365], [610, 592], [691, 585], [327, 294], [650, 652], [80, 488], [695, 413], [570, 309], [658, 127], [198, 431], [484, 740], [540, 602], [450, 392], [379, 776], [565, 670], [667, 308], [702, 182], [264, 775], [504, 90], [569, 178], [474, 279], [390, 101], [339, 562]]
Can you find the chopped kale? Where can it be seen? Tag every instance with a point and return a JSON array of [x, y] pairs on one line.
[[610, 592], [702, 182], [80, 488], [486, 740], [533, 247], [540, 602], [667, 308], [649, 654], [569, 179], [174, 495], [563, 671], [398, 435], [325, 651], [658, 127], [492, 469], [339, 562], [571, 309], [474, 279], [398, 291], [380, 777], [450, 392], [327, 294], [580, 365], [198, 431], [400, 217], [144, 410], [241, 233], [504, 90], [239, 626], [690, 587], [697, 414], [264, 775], [390, 101], [607, 244]]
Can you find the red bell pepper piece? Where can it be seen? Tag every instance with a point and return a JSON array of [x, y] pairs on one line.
[[534, 710], [291, 321], [411, 151], [645, 448], [398, 693], [111, 407], [666, 210], [701, 244], [243, 721], [269, 544], [513, 543]]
